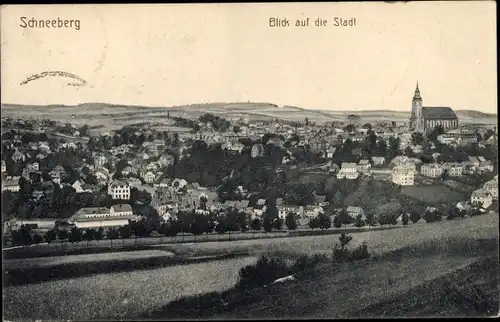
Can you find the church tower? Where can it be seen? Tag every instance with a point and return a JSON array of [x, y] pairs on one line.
[[416, 118]]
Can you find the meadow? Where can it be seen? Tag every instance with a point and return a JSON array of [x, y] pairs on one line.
[[434, 194], [132, 294]]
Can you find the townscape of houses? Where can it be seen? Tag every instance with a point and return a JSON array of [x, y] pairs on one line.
[[146, 169]]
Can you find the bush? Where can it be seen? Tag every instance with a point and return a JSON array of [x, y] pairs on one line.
[[342, 254], [432, 216], [305, 264], [263, 272]]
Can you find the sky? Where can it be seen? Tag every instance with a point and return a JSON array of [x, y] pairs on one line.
[[168, 55]]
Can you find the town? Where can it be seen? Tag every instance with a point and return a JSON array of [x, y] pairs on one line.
[[220, 175]]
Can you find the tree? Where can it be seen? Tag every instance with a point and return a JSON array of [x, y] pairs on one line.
[[359, 221], [290, 221], [370, 218], [62, 235], [255, 224], [50, 236], [268, 224], [199, 225], [417, 138], [444, 175], [313, 223], [89, 235], [75, 235], [344, 240], [173, 227], [112, 234], [405, 219], [324, 221], [37, 239], [125, 232], [337, 223], [415, 216], [99, 234], [278, 223]]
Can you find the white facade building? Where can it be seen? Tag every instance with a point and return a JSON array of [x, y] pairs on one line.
[[481, 196], [403, 175], [431, 170], [119, 190]]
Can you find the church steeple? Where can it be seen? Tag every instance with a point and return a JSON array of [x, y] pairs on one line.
[[417, 93]]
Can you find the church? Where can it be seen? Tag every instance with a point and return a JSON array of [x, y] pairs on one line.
[[426, 118]]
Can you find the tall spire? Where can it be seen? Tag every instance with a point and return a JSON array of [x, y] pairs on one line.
[[417, 93]]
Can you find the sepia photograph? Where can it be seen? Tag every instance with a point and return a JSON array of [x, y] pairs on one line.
[[233, 161]]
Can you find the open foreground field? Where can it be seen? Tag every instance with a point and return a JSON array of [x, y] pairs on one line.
[[428, 252]]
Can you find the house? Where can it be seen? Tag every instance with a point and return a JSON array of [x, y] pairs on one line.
[[481, 197], [128, 170], [17, 156], [348, 171], [275, 141], [354, 212], [166, 160], [80, 186], [149, 177], [44, 147], [102, 174], [122, 209], [284, 210], [134, 182], [405, 140], [320, 200], [492, 187], [330, 152], [10, 185], [461, 205], [431, 170], [311, 211], [446, 138], [474, 161], [484, 165], [119, 190], [378, 161], [100, 160], [257, 150], [403, 175], [34, 223], [179, 185], [364, 165], [404, 160], [153, 166], [55, 176], [417, 149], [454, 169], [94, 217], [163, 183]]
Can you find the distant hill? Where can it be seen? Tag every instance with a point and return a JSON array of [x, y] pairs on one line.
[[253, 110], [474, 114]]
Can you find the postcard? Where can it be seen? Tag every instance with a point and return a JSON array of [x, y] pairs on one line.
[[249, 160]]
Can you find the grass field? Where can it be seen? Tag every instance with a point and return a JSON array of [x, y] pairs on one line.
[[132, 294], [58, 260], [410, 284], [434, 194], [118, 295]]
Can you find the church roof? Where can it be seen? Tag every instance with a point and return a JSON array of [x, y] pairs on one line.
[[438, 113]]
